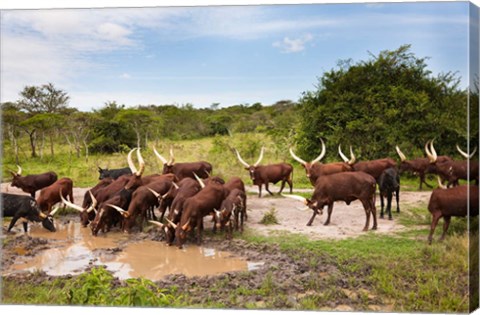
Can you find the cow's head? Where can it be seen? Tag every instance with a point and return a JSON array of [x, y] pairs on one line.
[[86, 214], [251, 168], [308, 166], [405, 165], [135, 181], [47, 220], [167, 165], [16, 179], [312, 204], [103, 173], [181, 231]]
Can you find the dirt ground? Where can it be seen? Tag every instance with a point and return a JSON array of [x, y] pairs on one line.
[[292, 215], [290, 274]]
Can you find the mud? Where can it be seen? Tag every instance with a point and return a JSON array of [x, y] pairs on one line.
[[145, 254]]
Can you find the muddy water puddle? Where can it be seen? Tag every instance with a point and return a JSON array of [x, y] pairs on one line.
[[72, 249]]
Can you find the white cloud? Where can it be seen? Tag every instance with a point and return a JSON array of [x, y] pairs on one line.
[[288, 45], [125, 76]]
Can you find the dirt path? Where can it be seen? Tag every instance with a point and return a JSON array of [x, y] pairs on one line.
[[346, 221]]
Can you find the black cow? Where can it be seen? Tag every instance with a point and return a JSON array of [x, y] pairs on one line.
[[19, 206], [114, 173], [389, 183]]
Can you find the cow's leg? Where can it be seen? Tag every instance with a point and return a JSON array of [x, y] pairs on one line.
[[309, 223], [435, 217], [12, 223], [260, 191], [446, 223], [373, 211], [366, 208], [25, 226], [422, 180], [382, 204], [397, 197], [389, 204], [282, 186], [200, 230], [330, 209], [266, 188]]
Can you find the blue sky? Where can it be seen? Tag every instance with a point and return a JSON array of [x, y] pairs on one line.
[[218, 54]]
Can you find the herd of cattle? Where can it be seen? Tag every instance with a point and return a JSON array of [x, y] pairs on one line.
[[126, 197]]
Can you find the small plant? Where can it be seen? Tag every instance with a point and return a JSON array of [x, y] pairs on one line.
[[270, 217]]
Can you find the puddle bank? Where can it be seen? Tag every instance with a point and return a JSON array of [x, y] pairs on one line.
[[72, 249]]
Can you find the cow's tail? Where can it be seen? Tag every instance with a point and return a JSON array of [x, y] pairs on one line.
[[291, 181]]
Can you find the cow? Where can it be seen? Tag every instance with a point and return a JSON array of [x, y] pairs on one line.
[[345, 186], [271, 173], [107, 216], [374, 167], [200, 205], [389, 183], [31, 183], [232, 209], [314, 168], [19, 206], [239, 213], [451, 171], [113, 173], [419, 166], [182, 170], [458, 201], [186, 188], [143, 198], [50, 195]]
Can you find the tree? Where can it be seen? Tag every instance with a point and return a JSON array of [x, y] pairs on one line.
[[138, 119], [43, 99], [77, 131], [376, 104], [11, 118], [47, 123]]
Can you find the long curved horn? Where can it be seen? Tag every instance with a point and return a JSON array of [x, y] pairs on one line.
[[42, 215], [164, 161], [154, 192], [52, 213], [175, 185], [241, 160], [94, 201], [344, 158], [428, 153], [321, 153], [172, 157], [130, 162], [71, 205], [185, 226], [122, 212], [171, 223], [19, 172], [432, 150], [296, 197], [440, 185], [156, 223], [202, 184], [352, 157], [464, 154], [400, 154], [141, 163], [260, 158], [296, 157]]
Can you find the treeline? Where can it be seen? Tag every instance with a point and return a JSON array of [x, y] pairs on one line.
[[373, 105]]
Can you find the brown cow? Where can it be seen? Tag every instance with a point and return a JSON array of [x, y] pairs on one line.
[[315, 169], [187, 188], [374, 167], [182, 170], [195, 208], [451, 171], [345, 186], [142, 200], [458, 201], [232, 210], [418, 166], [50, 195], [271, 173], [31, 183]]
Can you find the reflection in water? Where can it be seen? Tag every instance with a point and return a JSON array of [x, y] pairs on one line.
[[73, 248]]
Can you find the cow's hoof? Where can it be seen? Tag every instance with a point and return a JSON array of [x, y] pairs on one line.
[[390, 218], [374, 227]]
